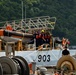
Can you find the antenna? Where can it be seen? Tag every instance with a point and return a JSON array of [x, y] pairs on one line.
[[22, 10], [25, 12], [22, 16]]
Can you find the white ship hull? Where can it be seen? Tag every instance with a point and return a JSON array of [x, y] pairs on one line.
[[42, 58]]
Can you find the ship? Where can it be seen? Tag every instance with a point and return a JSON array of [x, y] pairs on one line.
[[18, 41]]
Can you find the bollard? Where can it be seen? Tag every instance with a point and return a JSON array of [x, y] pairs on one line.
[[34, 67], [10, 48]]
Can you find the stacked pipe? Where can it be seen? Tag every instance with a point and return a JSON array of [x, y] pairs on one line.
[[13, 66]]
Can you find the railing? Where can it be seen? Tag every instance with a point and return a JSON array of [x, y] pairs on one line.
[[44, 22]]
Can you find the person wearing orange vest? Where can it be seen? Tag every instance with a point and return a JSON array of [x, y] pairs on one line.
[[67, 42], [64, 42], [38, 39], [9, 27]]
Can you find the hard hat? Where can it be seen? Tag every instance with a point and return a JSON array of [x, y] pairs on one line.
[[42, 30]]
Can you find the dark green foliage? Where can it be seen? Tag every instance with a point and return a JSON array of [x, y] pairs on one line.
[[63, 10]]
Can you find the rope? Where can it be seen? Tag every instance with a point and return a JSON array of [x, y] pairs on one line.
[[38, 52]]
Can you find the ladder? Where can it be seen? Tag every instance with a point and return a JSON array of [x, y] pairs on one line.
[[43, 22]]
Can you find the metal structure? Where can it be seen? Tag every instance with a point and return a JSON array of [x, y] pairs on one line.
[[17, 65], [44, 22]]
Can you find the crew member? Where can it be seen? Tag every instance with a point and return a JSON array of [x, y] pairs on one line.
[[43, 36], [40, 40], [37, 39], [67, 42], [63, 42], [9, 27]]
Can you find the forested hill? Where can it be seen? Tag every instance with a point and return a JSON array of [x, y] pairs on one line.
[[63, 10]]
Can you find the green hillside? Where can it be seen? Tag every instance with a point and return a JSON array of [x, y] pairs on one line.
[[63, 10]]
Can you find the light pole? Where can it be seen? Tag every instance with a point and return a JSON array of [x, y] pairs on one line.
[[22, 10]]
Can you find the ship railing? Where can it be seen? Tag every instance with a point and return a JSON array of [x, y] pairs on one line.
[[19, 46], [44, 22]]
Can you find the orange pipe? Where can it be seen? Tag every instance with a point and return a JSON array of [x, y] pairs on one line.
[[1, 32]]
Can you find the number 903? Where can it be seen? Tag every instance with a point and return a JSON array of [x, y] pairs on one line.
[[44, 58]]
